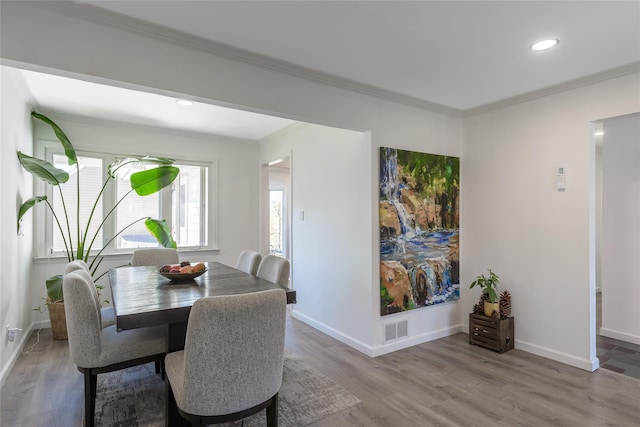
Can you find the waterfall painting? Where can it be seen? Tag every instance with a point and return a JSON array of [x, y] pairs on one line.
[[419, 230]]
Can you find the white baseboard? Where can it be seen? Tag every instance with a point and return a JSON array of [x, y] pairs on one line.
[[415, 340], [622, 336], [16, 353], [351, 342], [558, 356], [377, 350]]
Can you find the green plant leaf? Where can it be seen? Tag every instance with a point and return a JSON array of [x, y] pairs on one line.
[[115, 166], [43, 170], [153, 180], [54, 288], [69, 151], [160, 230], [493, 297], [24, 208]]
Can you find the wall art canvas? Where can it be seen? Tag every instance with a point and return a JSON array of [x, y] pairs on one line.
[[419, 230]]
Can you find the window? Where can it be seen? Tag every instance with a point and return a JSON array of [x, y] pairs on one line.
[[183, 204], [91, 171]]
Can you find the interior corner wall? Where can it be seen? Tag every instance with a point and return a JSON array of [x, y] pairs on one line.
[[539, 240], [15, 250], [621, 228], [331, 266]]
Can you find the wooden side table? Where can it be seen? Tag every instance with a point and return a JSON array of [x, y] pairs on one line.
[[495, 334]]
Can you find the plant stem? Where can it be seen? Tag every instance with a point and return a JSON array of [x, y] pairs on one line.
[[64, 208], [66, 247], [86, 231]]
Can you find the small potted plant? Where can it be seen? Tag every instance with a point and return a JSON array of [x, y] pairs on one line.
[[489, 287]]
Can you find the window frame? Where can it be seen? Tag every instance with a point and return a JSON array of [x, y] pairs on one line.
[[43, 219]]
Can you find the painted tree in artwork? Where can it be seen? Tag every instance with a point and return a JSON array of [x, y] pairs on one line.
[[433, 180]]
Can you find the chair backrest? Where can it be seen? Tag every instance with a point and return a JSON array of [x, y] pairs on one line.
[[83, 319], [77, 264], [274, 269], [83, 268], [248, 261], [154, 256], [236, 341]]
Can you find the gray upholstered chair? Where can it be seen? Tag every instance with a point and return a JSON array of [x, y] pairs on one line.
[[248, 261], [95, 350], [231, 365], [107, 315], [154, 256], [274, 269]]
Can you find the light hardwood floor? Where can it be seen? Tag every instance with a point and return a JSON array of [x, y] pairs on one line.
[[446, 382]]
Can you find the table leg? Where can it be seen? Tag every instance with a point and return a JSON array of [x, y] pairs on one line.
[[175, 336]]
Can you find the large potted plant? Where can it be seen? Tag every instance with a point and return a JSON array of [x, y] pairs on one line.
[[79, 243], [489, 286]]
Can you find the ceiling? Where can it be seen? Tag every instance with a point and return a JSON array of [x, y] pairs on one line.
[[456, 55]]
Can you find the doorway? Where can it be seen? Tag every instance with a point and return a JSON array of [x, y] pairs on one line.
[[277, 215], [617, 225]]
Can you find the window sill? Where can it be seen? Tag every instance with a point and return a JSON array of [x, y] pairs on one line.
[[125, 256]]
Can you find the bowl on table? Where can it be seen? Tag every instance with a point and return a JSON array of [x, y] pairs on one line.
[[186, 274]]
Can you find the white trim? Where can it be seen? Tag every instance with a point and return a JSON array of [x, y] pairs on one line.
[[374, 351], [46, 148], [346, 339], [416, 340], [622, 336], [134, 25], [558, 356], [613, 73], [8, 367]]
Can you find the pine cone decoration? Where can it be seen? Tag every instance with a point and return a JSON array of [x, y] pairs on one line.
[[505, 304], [483, 297], [477, 309]]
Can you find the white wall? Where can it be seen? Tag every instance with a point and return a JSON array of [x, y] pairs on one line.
[[332, 267], [335, 249], [15, 251], [621, 228], [540, 241]]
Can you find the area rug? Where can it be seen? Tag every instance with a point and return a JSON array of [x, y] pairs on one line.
[[135, 397]]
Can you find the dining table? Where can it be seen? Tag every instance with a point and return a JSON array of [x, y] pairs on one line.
[[142, 297]]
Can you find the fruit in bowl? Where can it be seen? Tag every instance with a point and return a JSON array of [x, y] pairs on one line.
[[184, 267]]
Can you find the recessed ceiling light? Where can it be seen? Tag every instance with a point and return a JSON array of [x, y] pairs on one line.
[[545, 44], [184, 102]]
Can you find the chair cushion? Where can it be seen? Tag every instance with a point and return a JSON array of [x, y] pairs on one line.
[[130, 344]]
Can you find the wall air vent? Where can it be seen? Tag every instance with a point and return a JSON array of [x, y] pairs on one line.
[[395, 331]]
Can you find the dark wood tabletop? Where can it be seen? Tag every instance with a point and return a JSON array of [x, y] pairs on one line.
[[142, 297]]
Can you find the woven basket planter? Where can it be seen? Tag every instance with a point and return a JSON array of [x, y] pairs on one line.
[[58, 320]]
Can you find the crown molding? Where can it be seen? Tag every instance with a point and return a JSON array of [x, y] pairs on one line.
[[130, 24], [613, 73], [134, 25]]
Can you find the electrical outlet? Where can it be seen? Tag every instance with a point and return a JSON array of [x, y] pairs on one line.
[[11, 334]]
